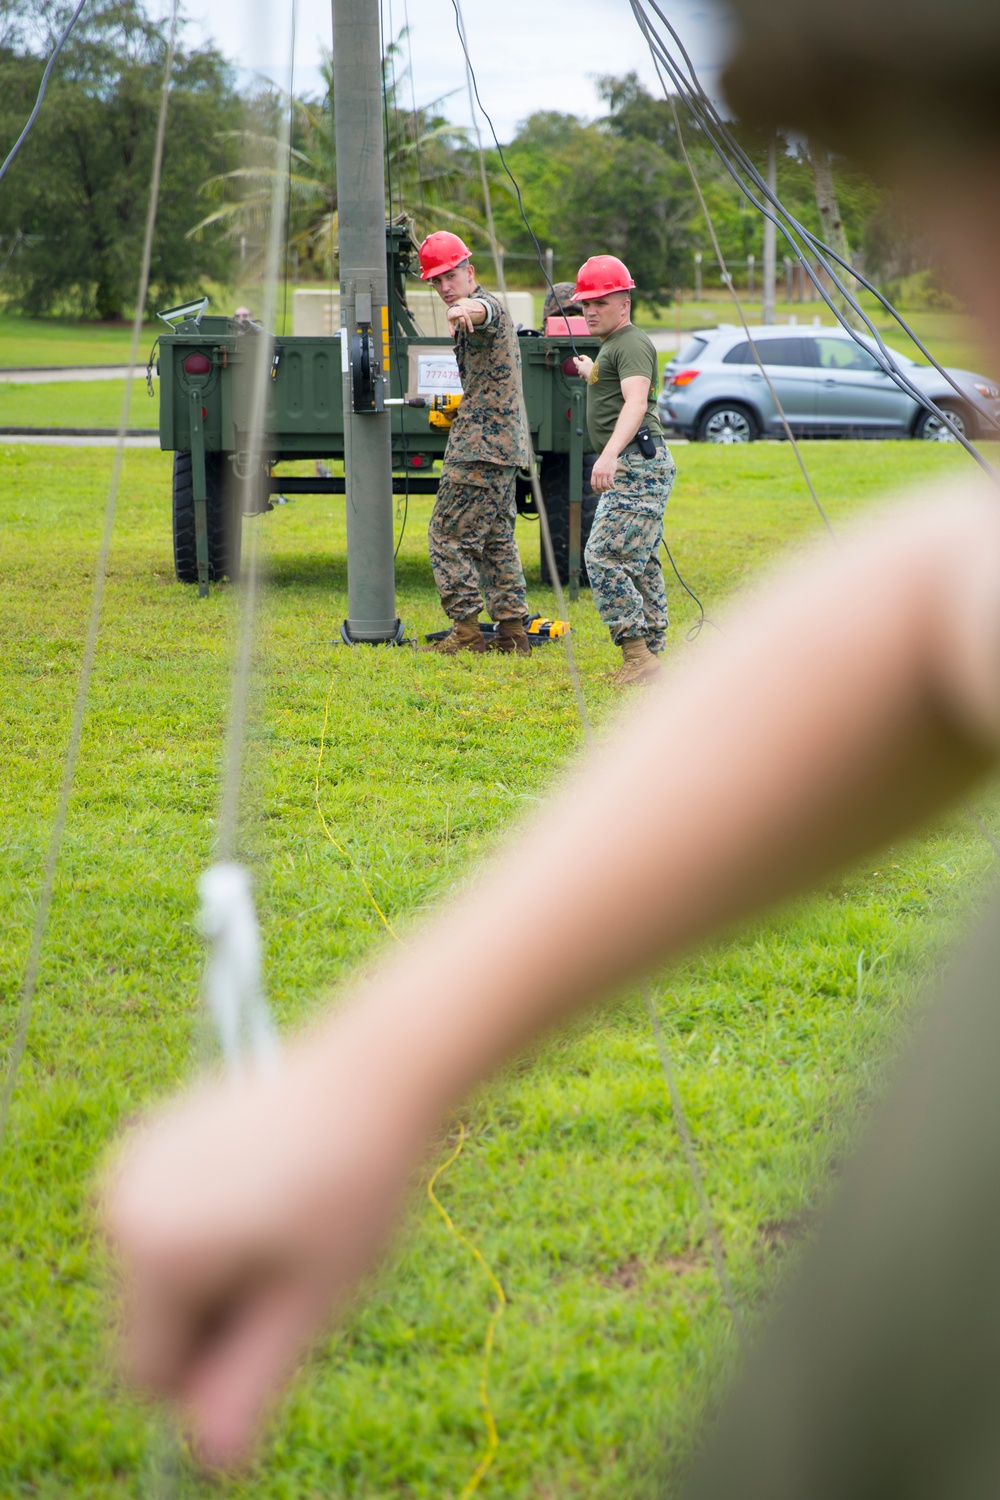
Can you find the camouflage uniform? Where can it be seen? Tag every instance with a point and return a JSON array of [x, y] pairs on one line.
[[623, 550], [561, 292], [471, 534]]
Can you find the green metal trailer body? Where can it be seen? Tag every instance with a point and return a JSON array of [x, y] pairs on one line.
[[305, 415], [206, 366]]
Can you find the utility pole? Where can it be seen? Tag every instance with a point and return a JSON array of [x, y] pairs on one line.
[[364, 313], [770, 259]]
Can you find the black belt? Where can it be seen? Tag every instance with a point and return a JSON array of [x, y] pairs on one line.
[[634, 447]]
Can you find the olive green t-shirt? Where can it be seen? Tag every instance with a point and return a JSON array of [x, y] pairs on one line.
[[627, 351]]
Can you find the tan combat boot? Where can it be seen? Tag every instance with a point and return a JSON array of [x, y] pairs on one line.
[[639, 666], [512, 638], [464, 635]]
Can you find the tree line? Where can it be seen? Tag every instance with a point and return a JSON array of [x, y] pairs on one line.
[[72, 208]]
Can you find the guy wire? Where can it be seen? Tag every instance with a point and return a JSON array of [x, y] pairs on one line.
[[263, 354], [492, 1439], [727, 279], [29, 979], [687, 1144], [414, 124], [706, 116], [498, 267], [675, 1097], [460, 27], [41, 91], [536, 488], [326, 827], [701, 105]]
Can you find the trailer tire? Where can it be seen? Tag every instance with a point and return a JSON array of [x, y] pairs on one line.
[[554, 481], [225, 524]]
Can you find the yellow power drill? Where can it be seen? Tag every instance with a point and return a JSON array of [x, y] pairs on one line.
[[443, 409]]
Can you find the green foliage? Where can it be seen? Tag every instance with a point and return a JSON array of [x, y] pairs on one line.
[[72, 212], [587, 189], [428, 166], [572, 1183]]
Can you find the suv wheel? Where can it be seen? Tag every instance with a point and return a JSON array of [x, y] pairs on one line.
[[932, 429], [726, 423]]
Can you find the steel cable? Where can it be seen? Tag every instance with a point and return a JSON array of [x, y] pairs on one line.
[[41, 91], [676, 1102], [710, 123], [29, 981]]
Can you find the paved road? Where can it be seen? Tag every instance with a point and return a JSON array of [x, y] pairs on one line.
[[49, 373]]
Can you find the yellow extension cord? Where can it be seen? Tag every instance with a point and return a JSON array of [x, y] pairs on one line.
[[484, 1396], [492, 1440]]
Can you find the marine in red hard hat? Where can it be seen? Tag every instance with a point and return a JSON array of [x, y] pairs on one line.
[[473, 552], [442, 251], [633, 473], [600, 275]]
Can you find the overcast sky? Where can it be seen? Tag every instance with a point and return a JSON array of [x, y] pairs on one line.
[[528, 54]]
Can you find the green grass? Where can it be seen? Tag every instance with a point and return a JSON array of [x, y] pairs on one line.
[[76, 403], [27, 343], [572, 1181]]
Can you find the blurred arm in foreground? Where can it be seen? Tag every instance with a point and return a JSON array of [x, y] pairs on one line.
[[859, 694]]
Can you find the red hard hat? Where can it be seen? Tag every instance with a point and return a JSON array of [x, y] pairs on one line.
[[440, 252], [600, 275]]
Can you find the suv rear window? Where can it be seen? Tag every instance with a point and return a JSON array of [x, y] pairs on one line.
[[773, 352], [690, 351]]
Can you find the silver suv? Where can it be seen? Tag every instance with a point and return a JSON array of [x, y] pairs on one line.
[[713, 389]]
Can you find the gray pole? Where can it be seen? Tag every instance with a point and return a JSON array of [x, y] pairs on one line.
[[357, 68], [770, 259]]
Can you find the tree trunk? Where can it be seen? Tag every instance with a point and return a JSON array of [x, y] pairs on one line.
[[831, 226]]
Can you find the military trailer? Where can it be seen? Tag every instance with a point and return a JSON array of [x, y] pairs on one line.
[[205, 367]]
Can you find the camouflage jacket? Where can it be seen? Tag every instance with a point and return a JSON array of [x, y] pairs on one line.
[[488, 427]]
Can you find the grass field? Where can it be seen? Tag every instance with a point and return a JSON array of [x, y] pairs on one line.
[[27, 343], [572, 1182], [76, 403]]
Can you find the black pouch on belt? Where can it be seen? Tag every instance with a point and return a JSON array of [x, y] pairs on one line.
[[644, 438]]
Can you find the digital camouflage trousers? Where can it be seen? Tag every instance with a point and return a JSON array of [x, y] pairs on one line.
[[623, 552], [472, 546]]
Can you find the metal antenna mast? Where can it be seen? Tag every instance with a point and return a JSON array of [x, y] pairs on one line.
[[364, 316]]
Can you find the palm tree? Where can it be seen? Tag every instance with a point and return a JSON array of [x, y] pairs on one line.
[[429, 163]]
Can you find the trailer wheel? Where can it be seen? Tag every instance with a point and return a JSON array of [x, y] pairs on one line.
[[225, 524], [554, 481]]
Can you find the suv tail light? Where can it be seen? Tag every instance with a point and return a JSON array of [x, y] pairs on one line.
[[683, 377]]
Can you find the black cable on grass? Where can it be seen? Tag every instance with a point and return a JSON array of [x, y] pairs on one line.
[[406, 511], [41, 90], [703, 619], [711, 123]]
